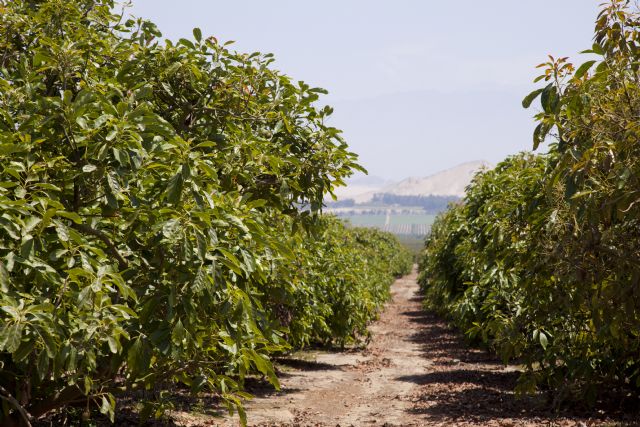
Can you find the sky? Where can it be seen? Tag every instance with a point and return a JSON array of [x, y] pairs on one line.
[[418, 86]]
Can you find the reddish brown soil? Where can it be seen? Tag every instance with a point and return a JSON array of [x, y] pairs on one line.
[[416, 371]]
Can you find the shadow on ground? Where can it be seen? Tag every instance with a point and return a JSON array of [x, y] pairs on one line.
[[470, 386], [307, 365]]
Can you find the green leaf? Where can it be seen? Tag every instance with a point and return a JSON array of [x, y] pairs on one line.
[[242, 414], [178, 334], [526, 102], [62, 231], [174, 189], [108, 406], [582, 70], [197, 33], [82, 122], [171, 70], [11, 336], [134, 356], [70, 215], [26, 249], [200, 281], [113, 133], [538, 136], [8, 149], [265, 367], [286, 123], [544, 341], [113, 185], [186, 43], [43, 365], [547, 97], [10, 228], [597, 49], [114, 346], [5, 279], [24, 350]]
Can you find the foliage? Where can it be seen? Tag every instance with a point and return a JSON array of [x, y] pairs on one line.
[[541, 259], [154, 201], [594, 121], [338, 282], [479, 265]]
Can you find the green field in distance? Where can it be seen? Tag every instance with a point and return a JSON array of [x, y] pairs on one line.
[[377, 220]]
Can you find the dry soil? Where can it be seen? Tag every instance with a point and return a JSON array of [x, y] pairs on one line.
[[416, 371]]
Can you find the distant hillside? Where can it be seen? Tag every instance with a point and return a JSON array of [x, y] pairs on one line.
[[430, 203], [361, 184], [363, 180], [450, 182]]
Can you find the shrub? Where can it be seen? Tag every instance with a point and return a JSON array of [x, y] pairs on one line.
[[338, 282], [153, 198], [540, 260]]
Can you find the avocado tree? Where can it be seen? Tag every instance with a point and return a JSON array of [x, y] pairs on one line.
[[143, 187], [590, 112], [540, 261]]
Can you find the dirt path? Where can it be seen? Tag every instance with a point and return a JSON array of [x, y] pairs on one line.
[[353, 387], [415, 372]]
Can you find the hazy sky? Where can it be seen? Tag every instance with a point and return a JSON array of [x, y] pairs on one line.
[[417, 85]]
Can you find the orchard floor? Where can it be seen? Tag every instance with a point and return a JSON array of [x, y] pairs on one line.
[[416, 371]]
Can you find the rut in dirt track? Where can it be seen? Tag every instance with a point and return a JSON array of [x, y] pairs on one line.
[[416, 371]]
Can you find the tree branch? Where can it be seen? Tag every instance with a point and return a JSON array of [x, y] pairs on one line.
[[12, 400], [111, 248], [56, 401]]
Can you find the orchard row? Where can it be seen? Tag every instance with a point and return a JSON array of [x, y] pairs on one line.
[[160, 215], [541, 259]]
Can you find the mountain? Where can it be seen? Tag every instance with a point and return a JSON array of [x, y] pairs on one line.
[[450, 182], [363, 180], [361, 184]]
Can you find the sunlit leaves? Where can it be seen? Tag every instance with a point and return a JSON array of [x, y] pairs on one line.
[[540, 261], [150, 193], [526, 102], [583, 69], [342, 280]]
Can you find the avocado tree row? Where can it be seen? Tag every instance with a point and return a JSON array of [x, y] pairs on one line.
[[541, 259], [159, 214]]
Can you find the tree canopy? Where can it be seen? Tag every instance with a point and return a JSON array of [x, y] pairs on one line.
[[540, 260], [158, 200]]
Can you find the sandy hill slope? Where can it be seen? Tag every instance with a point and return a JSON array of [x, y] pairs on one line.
[[361, 184], [450, 182]]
